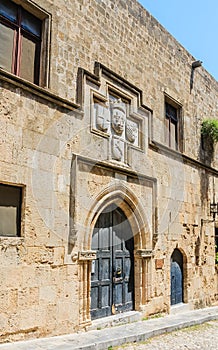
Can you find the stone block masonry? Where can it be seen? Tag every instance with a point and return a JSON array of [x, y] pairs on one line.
[[96, 135]]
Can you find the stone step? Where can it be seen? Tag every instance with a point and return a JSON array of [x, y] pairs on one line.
[[180, 308], [115, 320]]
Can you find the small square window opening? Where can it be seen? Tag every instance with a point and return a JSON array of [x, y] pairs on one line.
[[10, 210]]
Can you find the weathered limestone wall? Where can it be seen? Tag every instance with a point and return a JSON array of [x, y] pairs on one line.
[[128, 40], [37, 287], [45, 284]]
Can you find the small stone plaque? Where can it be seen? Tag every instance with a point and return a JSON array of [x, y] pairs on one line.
[[159, 263]]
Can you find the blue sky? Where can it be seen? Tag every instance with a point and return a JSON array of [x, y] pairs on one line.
[[194, 23]]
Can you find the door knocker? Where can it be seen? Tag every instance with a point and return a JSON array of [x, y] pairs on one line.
[[118, 275]]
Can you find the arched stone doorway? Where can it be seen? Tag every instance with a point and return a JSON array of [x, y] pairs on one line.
[[176, 277], [112, 273], [121, 198]]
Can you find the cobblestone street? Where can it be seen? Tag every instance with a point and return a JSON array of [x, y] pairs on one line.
[[204, 337]]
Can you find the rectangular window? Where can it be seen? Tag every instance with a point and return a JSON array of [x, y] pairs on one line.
[[21, 42], [10, 210], [172, 125]]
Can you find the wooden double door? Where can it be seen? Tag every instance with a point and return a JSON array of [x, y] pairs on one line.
[[112, 273]]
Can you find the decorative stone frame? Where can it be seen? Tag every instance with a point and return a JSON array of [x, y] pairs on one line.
[[117, 192], [96, 89]]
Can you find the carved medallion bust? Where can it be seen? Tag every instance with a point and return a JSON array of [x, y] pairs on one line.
[[118, 117]]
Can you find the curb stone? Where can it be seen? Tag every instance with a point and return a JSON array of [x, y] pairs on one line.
[[119, 335]]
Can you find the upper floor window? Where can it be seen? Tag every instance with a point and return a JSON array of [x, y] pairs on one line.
[[10, 210], [172, 125], [20, 41]]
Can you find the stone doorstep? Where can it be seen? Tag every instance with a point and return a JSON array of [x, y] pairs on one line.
[[115, 320], [180, 308]]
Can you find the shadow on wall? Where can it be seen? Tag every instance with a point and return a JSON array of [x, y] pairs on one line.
[[206, 155]]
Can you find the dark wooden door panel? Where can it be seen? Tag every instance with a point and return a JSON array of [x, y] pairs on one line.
[[173, 284], [176, 272], [112, 280]]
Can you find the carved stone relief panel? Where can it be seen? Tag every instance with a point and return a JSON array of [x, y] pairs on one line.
[[101, 116], [112, 117], [118, 149], [118, 116], [132, 132], [87, 255]]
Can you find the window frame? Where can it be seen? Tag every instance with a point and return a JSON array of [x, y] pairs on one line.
[[19, 209], [42, 64], [176, 121]]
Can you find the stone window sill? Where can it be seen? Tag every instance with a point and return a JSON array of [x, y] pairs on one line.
[[7, 241], [38, 91], [159, 146]]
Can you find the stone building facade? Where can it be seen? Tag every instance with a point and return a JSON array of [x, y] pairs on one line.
[[105, 185]]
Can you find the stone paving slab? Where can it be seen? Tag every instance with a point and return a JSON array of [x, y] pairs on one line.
[[133, 332]]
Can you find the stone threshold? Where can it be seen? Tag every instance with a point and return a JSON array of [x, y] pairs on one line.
[[180, 308], [115, 320]]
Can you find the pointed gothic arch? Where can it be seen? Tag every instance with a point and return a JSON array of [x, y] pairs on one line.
[[121, 197]]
